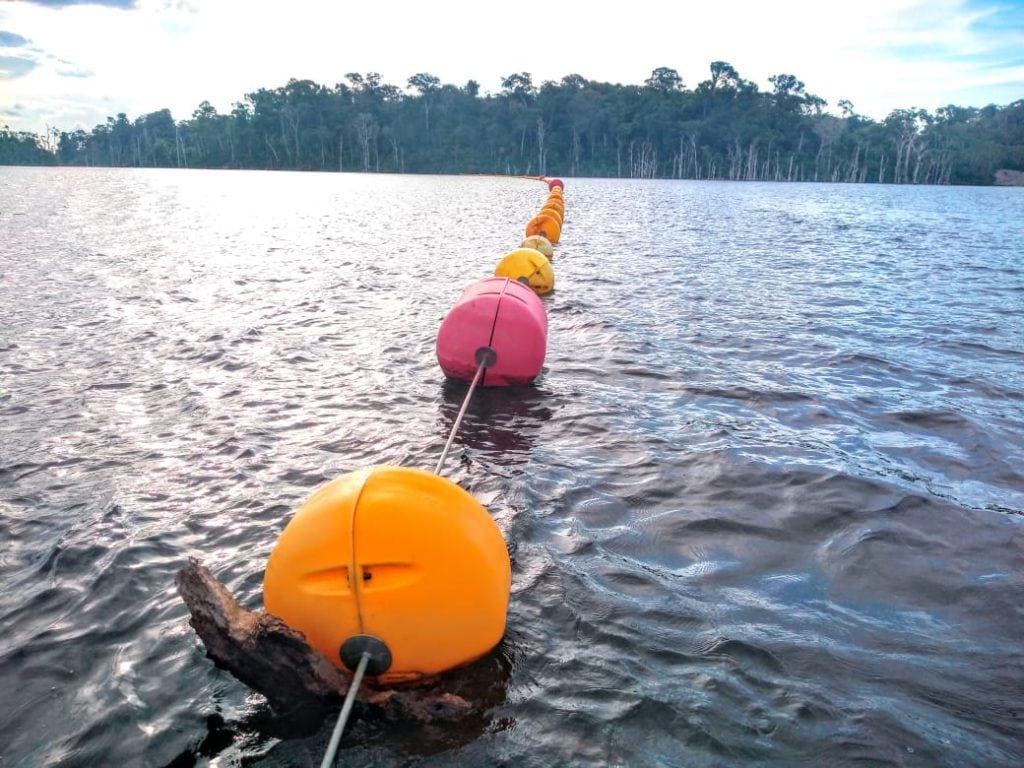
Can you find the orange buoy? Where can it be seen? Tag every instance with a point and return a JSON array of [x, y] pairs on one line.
[[397, 554], [539, 243], [546, 226], [557, 192], [550, 210], [528, 266]]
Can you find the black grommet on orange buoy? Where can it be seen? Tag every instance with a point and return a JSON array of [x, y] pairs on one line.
[[352, 651]]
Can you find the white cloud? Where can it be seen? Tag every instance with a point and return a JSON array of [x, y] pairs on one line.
[[880, 54]]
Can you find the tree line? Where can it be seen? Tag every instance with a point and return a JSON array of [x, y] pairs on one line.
[[725, 127]]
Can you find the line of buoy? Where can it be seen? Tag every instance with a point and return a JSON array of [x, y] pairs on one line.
[[399, 573]]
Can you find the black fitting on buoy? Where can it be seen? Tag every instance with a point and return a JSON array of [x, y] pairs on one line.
[[352, 651], [486, 356]]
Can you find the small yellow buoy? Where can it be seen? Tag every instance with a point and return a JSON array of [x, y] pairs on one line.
[[539, 243], [529, 266], [400, 555], [546, 226]]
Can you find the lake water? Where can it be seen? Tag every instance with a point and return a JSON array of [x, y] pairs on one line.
[[766, 502]]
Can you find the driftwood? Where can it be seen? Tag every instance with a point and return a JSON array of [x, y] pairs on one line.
[[274, 659]]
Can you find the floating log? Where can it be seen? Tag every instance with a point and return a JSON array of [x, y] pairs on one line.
[[273, 659]]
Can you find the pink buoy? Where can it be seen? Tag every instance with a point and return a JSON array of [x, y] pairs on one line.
[[505, 316], [556, 183]]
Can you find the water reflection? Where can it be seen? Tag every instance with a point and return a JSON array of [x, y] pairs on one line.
[[501, 424]]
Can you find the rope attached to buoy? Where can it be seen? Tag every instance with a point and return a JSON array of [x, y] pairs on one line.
[[485, 357], [372, 649], [346, 709]]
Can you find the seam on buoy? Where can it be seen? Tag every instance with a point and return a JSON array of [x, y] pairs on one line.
[[357, 582], [494, 325]]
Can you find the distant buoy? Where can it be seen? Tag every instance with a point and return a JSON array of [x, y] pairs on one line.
[[397, 554], [554, 212], [546, 226], [539, 243], [556, 183], [528, 266], [503, 315]]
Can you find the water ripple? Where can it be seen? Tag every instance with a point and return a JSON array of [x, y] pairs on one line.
[[764, 504]]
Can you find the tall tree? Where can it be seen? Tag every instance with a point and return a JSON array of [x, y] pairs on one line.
[[725, 128]]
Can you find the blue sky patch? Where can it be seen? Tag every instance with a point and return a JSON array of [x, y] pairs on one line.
[[12, 40], [126, 4], [15, 66]]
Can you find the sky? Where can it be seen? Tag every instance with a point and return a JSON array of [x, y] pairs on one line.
[[71, 63]]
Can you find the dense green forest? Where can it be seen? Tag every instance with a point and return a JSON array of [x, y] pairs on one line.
[[724, 128]]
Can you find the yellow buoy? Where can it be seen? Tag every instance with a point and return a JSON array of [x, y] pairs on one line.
[[539, 243], [530, 266], [546, 226], [400, 555]]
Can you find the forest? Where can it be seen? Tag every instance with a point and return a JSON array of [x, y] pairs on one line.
[[725, 127]]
